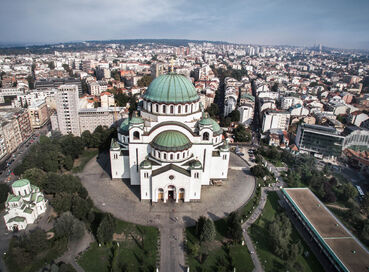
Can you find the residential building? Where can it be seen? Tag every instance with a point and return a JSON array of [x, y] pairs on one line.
[[67, 110], [38, 113], [273, 119]]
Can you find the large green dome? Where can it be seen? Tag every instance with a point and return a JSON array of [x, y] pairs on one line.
[[171, 88], [171, 140]]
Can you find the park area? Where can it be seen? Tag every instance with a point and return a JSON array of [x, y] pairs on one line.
[[288, 250], [133, 248], [220, 254]]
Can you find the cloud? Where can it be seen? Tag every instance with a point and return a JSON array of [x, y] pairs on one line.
[[331, 22]]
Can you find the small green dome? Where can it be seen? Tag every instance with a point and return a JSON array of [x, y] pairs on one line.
[[145, 164], [136, 120], [124, 126], [207, 121], [196, 164], [171, 140], [171, 88], [20, 183]]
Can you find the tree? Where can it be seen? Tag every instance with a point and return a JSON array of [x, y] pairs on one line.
[[234, 230], [4, 191], [87, 138], [235, 116], [259, 171], [275, 87], [121, 99], [280, 231], [80, 207], [63, 225], [67, 226], [200, 225], [241, 134], [208, 231], [31, 82], [144, 81], [35, 241], [349, 191], [62, 202], [225, 122], [193, 249], [213, 110], [106, 229], [51, 65]]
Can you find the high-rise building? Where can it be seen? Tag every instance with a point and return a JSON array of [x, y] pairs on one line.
[[67, 109]]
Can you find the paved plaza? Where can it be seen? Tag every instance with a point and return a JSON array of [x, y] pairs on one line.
[[122, 200]]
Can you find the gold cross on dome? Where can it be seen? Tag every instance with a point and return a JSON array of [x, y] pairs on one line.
[[172, 65]]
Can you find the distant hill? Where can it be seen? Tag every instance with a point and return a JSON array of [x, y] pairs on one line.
[[18, 49]]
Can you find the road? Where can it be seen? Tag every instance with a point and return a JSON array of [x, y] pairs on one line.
[[19, 154]]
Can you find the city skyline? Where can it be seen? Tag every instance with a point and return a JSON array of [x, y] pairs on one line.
[[336, 24]]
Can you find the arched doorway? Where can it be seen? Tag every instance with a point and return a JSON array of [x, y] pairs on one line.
[[160, 194], [181, 194], [171, 192]]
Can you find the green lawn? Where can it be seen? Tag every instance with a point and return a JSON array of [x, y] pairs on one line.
[[263, 243], [84, 158], [136, 250], [218, 253]]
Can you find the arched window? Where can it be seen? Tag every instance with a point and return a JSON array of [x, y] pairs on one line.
[[164, 109], [178, 156], [165, 156], [184, 154], [171, 156], [179, 109], [171, 109], [186, 108], [157, 107], [205, 136], [136, 135], [191, 107]]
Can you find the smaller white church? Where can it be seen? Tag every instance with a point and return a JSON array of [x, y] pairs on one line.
[[24, 205]]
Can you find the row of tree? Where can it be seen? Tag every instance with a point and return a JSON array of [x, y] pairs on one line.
[[57, 153]]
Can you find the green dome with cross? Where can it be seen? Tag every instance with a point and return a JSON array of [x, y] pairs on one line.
[[171, 89]]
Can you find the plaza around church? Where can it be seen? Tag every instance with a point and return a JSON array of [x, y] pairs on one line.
[[122, 200]]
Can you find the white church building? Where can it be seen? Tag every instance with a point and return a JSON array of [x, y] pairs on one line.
[[172, 148], [23, 206]]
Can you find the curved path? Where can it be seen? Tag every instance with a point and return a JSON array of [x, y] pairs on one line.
[[122, 200]]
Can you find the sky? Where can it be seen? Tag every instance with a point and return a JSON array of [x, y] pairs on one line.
[[334, 23]]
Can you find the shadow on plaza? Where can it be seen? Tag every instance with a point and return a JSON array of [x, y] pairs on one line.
[[104, 161]]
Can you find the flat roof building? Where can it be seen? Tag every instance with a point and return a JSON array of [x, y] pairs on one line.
[[344, 251], [320, 141]]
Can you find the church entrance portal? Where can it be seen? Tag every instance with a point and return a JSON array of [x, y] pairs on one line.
[[171, 192]]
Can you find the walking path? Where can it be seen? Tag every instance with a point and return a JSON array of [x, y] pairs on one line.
[[255, 215], [122, 200], [74, 249]]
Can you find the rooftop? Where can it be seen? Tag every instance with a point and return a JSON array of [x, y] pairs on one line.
[[345, 248]]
